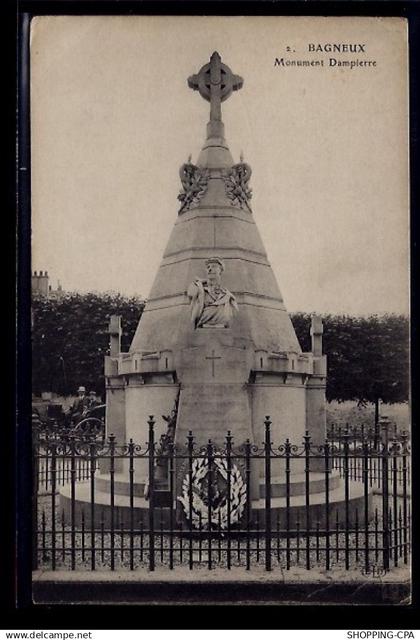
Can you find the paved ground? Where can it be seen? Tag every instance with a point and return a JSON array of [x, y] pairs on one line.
[[182, 586]]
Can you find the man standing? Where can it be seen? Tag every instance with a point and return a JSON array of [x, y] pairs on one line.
[[79, 406], [92, 400]]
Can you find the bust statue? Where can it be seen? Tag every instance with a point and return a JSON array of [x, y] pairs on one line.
[[211, 304]]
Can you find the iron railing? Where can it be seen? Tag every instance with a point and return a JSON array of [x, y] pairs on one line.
[[138, 507], [355, 436], [46, 433]]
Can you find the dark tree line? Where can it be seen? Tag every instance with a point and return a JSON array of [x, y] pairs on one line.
[[70, 339], [368, 358]]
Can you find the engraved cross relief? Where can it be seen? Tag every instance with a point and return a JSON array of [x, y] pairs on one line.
[[213, 357]]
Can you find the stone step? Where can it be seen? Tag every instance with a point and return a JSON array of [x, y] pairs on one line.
[[297, 485], [102, 498], [356, 491], [121, 484], [317, 512]]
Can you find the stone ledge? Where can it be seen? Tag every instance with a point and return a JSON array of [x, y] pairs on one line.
[[221, 587]]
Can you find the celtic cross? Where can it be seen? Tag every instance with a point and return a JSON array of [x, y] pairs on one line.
[[215, 83]]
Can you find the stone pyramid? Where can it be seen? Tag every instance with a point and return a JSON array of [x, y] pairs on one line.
[[216, 221]]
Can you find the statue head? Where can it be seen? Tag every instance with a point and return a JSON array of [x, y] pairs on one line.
[[215, 268]]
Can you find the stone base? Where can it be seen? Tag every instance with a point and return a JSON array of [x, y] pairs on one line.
[[298, 514], [239, 586], [316, 515]]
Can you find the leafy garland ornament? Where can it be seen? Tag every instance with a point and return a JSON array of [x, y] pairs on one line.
[[219, 512], [237, 184], [194, 182]]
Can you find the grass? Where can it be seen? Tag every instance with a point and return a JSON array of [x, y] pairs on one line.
[[340, 413]]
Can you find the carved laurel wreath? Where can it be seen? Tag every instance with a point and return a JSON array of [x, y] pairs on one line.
[[236, 182], [219, 514], [194, 185]]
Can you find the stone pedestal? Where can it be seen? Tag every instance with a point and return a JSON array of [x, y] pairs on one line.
[[317, 511], [211, 410], [214, 397], [284, 401]]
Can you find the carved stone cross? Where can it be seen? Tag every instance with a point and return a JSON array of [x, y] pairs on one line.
[[213, 358], [215, 83]]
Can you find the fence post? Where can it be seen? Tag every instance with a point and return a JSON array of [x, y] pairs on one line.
[[248, 502], [151, 424], [394, 485], [307, 449], [92, 460], [35, 474], [385, 494], [287, 452], [209, 499], [405, 453], [267, 451], [190, 445], [73, 500], [366, 451], [53, 502], [229, 439], [171, 472], [346, 446], [131, 480], [327, 503]]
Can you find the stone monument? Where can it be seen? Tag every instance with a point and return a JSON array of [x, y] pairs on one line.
[[215, 344]]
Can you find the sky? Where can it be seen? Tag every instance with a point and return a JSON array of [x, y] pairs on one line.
[[112, 120]]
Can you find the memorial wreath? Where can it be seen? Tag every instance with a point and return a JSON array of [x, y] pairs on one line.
[[219, 505]]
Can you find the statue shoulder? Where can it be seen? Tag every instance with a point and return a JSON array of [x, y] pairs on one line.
[[232, 299], [195, 287], [226, 292]]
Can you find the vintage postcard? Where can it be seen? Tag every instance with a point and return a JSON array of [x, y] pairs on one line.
[[220, 309]]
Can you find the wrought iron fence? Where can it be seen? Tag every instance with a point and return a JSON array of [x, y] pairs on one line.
[[46, 432], [215, 506], [355, 436]]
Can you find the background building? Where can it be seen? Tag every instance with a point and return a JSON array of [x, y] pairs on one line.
[[41, 286]]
